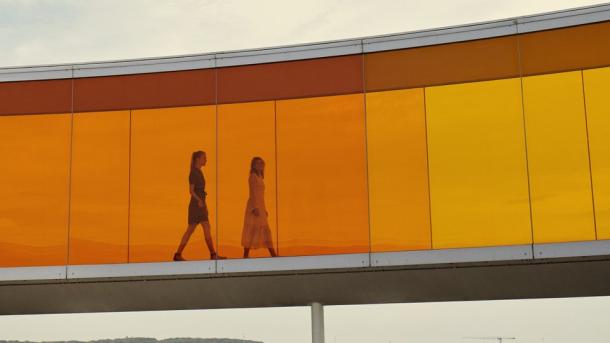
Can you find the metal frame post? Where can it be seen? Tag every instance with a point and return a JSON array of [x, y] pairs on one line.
[[317, 323]]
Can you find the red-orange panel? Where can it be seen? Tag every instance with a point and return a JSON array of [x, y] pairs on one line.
[[29, 97], [99, 204], [322, 196], [172, 89], [294, 79], [245, 131], [34, 190], [485, 59], [571, 48], [398, 170], [162, 141]]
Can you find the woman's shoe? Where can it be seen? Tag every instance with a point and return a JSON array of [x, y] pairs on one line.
[[178, 257], [215, 256]]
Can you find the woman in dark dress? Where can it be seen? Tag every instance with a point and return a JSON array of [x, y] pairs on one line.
[[198, 210]]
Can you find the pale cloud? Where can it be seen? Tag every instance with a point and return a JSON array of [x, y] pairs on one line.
[[67, 31]]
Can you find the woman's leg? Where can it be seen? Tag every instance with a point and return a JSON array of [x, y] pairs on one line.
[[207, 232], [246, 252], [272, 252], [185, 238]]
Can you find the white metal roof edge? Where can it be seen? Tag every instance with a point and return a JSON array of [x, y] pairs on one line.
[[489, 29], [440, 36], [559, 19]]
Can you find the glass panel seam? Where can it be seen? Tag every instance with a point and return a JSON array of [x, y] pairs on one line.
[[70, 153], [428, 170], [366, 159], [129, 192], [217, 248], [277, 202], [527, 167], [584, 99]]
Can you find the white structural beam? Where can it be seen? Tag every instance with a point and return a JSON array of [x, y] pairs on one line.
[[195, 287]]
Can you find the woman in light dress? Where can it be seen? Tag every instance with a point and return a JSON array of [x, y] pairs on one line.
[[256, 233]]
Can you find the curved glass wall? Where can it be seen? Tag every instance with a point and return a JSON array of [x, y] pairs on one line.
[[380, 152]]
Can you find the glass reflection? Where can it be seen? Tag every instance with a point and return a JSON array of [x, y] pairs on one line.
[[34, 190], [322, 193], [256, 233], [245, 131], [198, 209], [162, 142]]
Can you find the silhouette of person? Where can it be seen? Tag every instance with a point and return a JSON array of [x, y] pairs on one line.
[[198, 210], [256, 233]]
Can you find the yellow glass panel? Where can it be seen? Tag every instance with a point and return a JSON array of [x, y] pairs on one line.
[[597, 95], [560, 183], [244, 131], [162, 141], [99, 205], [476, 155], [398, 170], [34, 191], [322, 196]]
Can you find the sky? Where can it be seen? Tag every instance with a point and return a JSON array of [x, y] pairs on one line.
[[575, 320], [34, 32], [60, 31]]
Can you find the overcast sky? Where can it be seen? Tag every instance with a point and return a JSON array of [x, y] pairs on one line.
[[62, 31], [58, 31], [578, 320]]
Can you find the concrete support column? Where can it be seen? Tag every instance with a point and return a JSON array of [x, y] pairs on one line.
[[317, 323]]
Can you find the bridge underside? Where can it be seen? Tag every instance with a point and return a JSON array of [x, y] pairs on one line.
[[542, 278]]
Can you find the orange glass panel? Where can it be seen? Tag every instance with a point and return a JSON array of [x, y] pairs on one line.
[[34, 189], [244, 131], [290, 79], [475, 60], [567, 48], [597, 90], [99, 201], [398, 170], [558, 158], [162, 141], [322, 196], [478, 174]]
